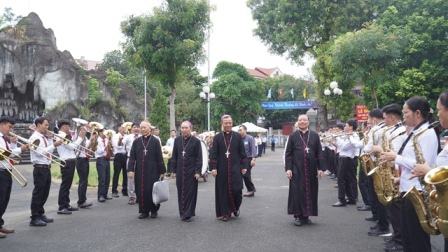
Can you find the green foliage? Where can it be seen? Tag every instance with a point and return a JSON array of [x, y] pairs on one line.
[[159, 112], [188, 103], [8, 19], [237, 94], [113, 80], [293, 27], [169, 41], [84, 112], [94, 93]]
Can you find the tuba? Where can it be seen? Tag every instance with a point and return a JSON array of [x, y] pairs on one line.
[[383, 176], [438, 177], [128, 127], [421, 200]]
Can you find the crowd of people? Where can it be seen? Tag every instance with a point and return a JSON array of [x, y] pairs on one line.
[[394, 149]]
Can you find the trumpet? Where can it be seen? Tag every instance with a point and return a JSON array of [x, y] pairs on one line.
[[343, 135], [33, 146], [6, 155]]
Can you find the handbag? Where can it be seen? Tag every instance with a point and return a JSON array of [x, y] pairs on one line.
[[160, 192]]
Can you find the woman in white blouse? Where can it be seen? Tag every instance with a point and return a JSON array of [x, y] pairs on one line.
[[416, 114]]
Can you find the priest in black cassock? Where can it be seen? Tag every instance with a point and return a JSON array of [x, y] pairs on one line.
[[186, 166], [147, 165], [303, 155], [228, 163]]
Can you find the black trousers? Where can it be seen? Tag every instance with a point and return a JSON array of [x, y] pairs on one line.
[[336, 164], [345, 179], [5, 193], [263, 144], [353, 179], [82, 167], [120, 160], [373, 197], [413, 236], [103, 170], [272, 146], [394, 212], [42, 182], [67, 173], [363, 187], [248, 179]]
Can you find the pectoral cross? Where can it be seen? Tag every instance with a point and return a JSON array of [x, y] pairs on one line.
[[227, 153], [307, 150], [183, 153], [145, 152]]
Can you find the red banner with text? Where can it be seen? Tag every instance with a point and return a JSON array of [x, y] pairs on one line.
[[362, 113]]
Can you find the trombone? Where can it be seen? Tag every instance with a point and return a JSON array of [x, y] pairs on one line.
[[33, 146], [6, 155], [67, 139]]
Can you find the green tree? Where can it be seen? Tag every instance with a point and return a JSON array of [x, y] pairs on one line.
[[237, 93], [368, 57], [94, 93], [168, 42], [113, 80], [159, 113], [293, 27], [424, 61]]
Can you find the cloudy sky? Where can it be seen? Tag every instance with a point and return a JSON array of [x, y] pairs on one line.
[[92, 28]]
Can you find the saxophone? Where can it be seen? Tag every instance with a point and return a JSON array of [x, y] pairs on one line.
[[421, 200], [439, 197], [366, 160], [383, 176]]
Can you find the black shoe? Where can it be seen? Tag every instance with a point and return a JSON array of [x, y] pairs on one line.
[[72, 208], [237, 213], [374, 227], [45, 219], [225, 218], [38, 223], [371, 218], [125, 195], [108, 198], [364, 208], [115, 195], [379, 232], [64, 211], [388, 240], [307, 221], [351, 202], [298, 222], [85, 205], [101, 199], [143, 215], [154, 215], [393, 246], [186, 219], [339, 204]]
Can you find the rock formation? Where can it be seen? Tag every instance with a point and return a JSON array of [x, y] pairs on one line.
[[37, 78]]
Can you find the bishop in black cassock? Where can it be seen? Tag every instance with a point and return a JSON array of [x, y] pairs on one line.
[[228, 163], [147, 165], [303, 155], [186, 166]]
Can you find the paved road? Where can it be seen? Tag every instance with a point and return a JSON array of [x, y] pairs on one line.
[[262, 226]]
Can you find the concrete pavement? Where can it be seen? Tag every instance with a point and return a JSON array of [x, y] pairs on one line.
[[262, 226]]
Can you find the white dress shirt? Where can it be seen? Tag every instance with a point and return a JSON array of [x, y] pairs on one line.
[[346, 146], [12, 147], [170, 142], [101, 148], [118, 148], [67, 151], [40, 155], [428, 143], [128, 140]]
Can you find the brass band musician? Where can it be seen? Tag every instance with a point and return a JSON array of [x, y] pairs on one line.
[[6, 126], [41, 159]]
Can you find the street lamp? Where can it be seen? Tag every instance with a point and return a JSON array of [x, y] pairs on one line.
[[206, 96], [337, 92]]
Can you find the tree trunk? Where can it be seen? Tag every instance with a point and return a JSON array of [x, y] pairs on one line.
[[172, 108], [322, 121]]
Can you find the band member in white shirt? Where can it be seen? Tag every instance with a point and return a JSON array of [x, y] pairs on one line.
[[128, 140], [120, 161]]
